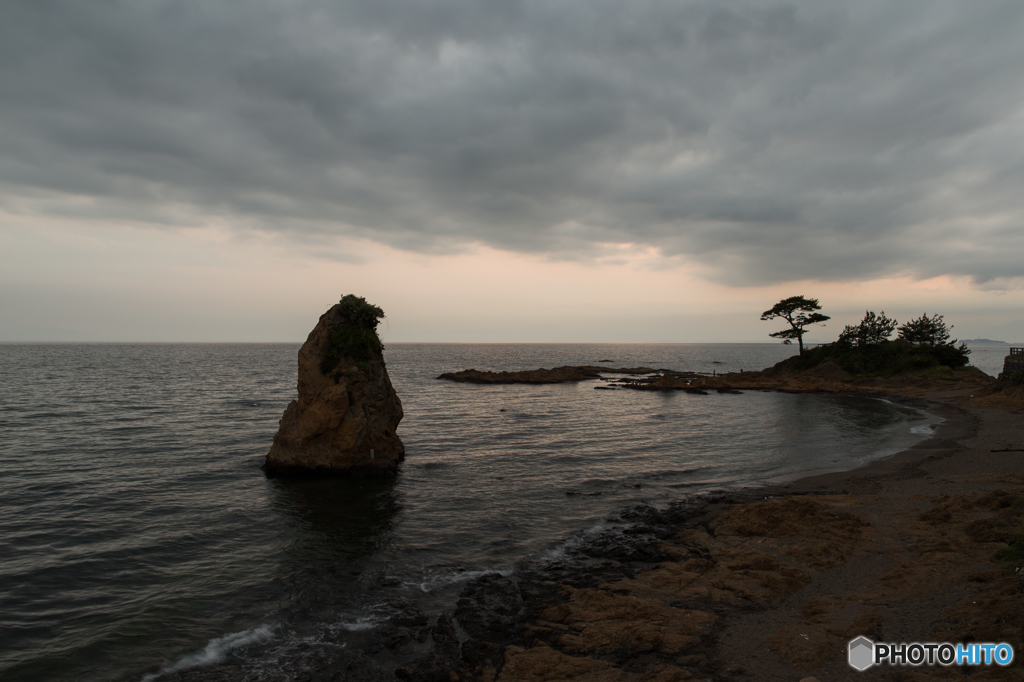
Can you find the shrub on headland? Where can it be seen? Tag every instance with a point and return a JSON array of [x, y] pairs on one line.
[[884, 359], [866, 350]]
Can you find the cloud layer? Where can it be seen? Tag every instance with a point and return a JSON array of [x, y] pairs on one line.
[[768, 142]]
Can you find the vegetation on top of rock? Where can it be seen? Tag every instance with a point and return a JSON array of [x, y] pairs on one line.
[[355, 337], [794, 310], [357, 311]]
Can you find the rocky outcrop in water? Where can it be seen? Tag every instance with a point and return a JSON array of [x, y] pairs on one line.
[[556, 375], [347, 413]]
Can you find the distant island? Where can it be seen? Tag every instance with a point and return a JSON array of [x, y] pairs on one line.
[[976, 341]]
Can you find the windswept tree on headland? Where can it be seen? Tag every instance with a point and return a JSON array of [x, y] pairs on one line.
[[799, 312]]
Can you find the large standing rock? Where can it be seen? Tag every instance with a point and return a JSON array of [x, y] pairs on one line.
[[345, 418]]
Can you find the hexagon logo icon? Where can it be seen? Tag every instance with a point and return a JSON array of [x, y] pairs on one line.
[[862, 653]]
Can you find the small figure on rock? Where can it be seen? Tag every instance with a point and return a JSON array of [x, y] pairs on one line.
[[345, 418]]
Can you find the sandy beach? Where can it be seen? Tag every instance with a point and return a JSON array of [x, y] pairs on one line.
[[772, 585]]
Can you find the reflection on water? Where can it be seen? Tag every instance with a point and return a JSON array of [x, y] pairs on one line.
[[336, 520], [332, 529]]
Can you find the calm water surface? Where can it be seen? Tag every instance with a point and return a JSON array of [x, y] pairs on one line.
[[138, 535]]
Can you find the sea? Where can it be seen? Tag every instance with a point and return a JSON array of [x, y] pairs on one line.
[[139, 537]]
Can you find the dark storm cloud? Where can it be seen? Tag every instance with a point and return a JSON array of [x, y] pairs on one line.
[[769, 141]]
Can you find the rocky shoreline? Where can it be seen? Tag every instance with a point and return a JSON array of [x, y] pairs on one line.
[[767, 584]]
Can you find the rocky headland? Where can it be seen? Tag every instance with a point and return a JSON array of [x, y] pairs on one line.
[[898, 367], [346, 417], [827, 377]]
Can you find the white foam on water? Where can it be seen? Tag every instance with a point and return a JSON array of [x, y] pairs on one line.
[[362, 623], [460, 577], [560, 551], [922, 430], [217, 650]]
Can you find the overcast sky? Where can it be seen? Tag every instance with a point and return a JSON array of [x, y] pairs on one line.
[[506, 170]]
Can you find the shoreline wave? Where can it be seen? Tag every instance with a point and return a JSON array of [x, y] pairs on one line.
[[216, 651]]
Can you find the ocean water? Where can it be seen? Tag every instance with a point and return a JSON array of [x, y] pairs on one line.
[[988, 357], [139, 537]]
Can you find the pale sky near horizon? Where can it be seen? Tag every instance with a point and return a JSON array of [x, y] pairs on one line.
[[507, 170]]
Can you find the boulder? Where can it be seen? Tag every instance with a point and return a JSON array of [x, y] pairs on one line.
[[347, 413]]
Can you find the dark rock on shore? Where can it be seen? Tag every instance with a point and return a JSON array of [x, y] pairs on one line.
[[347, 412], [443, 659], [488, 610]]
